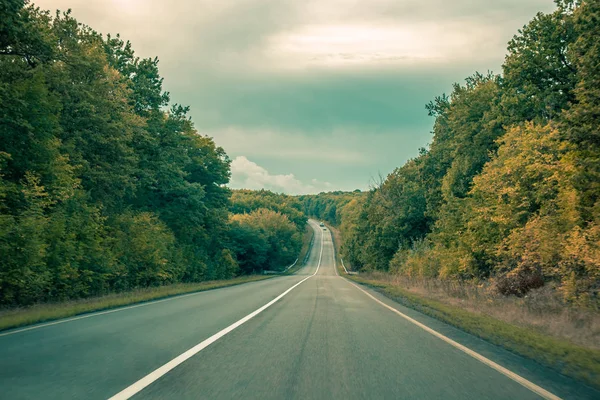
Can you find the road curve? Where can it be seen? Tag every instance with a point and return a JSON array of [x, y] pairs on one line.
[[325, 338]]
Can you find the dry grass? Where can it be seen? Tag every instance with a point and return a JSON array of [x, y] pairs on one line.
[[542, 309], [463, 306], [307, 239], [16, 317]]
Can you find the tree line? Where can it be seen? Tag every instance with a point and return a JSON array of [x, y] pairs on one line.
[[105, 185], [265, 229], [509, 188]]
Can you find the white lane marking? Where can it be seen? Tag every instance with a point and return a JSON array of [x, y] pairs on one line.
[[517, 378], [345, 270], [138, 386]]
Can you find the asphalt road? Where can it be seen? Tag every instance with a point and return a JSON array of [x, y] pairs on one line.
[[323, 339]]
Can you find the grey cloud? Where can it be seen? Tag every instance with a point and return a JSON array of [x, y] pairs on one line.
[[215, 57]]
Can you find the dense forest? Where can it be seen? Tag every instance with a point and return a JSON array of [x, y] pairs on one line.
[[265, 229], [509, 188], [105, 185], [328, 206]]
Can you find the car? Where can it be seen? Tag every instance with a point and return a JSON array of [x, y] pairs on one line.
[[321, 224]]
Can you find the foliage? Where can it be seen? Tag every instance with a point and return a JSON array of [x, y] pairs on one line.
[[246, 201], [327, 206], [265, 229], [264, 240], [103, 186], [508, 190]]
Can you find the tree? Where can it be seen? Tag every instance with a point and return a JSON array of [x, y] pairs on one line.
[[265, 239], [101, 188], [539, 78], [581, 121]]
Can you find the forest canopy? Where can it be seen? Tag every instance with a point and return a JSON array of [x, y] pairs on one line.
[[105, 184], [509, 188]]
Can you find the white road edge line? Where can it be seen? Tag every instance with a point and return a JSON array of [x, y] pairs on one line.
[[345, 270], [517, 378], [94, 314], [147, 380]]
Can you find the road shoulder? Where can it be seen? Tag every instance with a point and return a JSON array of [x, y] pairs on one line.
[[530, 369]]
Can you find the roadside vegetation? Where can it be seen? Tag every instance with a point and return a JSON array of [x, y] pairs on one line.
[[266, 230], [18, 317], [507, 194], [107, 191]]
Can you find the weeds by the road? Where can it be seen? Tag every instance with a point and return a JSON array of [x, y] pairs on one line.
[[541, 310], [306, 246], [561, 338], [16, 317]]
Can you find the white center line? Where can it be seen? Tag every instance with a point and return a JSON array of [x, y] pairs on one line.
[[517, 378], [159, 372]]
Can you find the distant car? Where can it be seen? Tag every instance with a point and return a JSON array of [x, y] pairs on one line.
[[321, 224]]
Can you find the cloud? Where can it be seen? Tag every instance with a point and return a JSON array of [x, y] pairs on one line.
[[332, 89], [363, 44], [254, 36], [246, 174], [349, 159]]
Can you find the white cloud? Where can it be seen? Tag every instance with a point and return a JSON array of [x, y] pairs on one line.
[[246, 174]]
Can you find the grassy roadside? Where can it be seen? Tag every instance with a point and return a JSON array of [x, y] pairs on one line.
[[307, 241], [578, 362], [14, 318]]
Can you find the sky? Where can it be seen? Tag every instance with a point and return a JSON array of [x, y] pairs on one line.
[[312, 95]]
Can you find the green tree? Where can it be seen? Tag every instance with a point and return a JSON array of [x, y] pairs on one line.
[[265, 239], [581, 121], [539, 77], [101, 188]]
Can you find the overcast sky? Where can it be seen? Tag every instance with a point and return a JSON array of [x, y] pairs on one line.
[[312, 95]]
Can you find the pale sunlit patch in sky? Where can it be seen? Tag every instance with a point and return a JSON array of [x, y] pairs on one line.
[[341, 45]]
